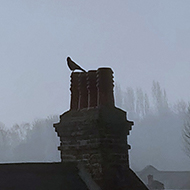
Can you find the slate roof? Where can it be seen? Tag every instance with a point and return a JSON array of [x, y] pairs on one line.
[[58, 176], [132, 182], [41, 176], [170, 179]]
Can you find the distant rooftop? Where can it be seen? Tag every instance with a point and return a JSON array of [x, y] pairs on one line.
[[170, 179]]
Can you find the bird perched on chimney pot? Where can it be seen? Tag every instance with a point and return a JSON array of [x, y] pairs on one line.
[[73, 66]]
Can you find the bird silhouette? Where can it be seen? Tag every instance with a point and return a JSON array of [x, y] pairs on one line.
[[73, 66]]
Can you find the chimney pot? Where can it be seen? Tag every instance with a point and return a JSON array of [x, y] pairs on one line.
[[74, 91], [92, 89], [83, 94], [105, 87]]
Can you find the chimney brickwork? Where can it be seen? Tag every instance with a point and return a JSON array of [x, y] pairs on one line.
[[74, 91], [94, 131], [92, 89]]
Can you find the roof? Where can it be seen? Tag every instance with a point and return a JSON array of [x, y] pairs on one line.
[[132, 182], [41, 176], [170, 179], [62, 175]]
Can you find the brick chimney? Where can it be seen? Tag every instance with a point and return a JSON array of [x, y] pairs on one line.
[[94, 132], [83, 92], [74, 91], [92, 89], [105, 87], [150, 180], [154, 184]]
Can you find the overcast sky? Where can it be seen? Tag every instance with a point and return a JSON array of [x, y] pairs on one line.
[[141, 40]]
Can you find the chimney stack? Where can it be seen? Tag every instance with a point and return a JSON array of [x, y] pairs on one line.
[[105, 87], [83, 93], [94, 132], [74, 91], [92, 89]]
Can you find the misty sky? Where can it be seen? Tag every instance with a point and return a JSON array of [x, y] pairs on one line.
[[141, 40]]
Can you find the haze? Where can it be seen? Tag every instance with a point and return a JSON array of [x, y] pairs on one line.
[[141, 40]]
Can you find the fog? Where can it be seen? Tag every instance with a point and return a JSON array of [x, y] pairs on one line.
[[156, 137], [141, 40], [30, 142]]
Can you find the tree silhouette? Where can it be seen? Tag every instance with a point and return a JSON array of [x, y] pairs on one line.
[[186, 132], [159, 97]]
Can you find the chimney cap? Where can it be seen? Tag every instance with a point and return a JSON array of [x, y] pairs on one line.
[[105, 69]]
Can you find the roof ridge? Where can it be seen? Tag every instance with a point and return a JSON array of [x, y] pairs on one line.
[[149, 166]]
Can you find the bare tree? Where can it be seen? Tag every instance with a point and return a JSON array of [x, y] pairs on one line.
[[146, 104], [186, 132], [159, 97], [180, 107], [140, 102]]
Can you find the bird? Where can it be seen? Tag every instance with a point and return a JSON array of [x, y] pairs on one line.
[[73, 66]]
